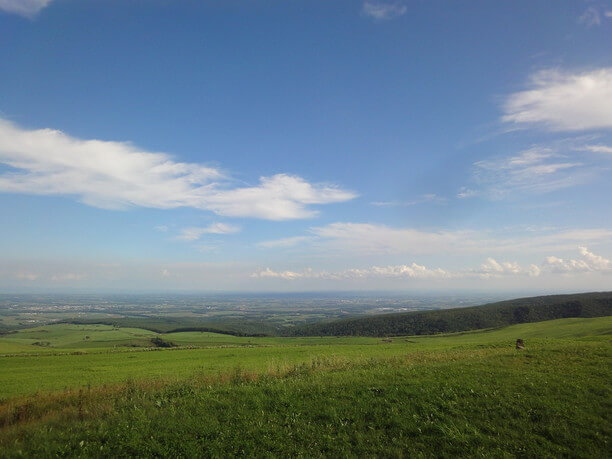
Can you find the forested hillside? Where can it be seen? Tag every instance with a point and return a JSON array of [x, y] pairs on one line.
[[184, 324], [522, 310]]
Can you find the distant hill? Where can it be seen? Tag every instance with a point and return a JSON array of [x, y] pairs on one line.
[[500, 314]]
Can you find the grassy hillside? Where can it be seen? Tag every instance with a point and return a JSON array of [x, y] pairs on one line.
[[56, 368], [500, 314], [463, 394]]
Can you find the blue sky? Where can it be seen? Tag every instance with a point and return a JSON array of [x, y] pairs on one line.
[[305, 145]]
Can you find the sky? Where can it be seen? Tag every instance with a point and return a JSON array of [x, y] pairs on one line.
[[310, 145]]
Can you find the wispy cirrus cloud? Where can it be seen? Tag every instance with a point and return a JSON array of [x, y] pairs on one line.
[[117, 175], [285, 242], [598, 148], [381, 10], [378, 239], [27, 8], [425, 198], [563, 101], [590, 17], [195, 233], [369, 238], [535, 170], [596, 14]]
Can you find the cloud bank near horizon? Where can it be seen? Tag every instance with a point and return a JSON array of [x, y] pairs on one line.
[[491, 268]]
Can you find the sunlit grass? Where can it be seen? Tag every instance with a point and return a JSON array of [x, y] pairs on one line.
[[552, 399]]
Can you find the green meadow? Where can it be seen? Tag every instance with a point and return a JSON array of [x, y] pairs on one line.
[[75, 356], [99, 391], [468, 394]]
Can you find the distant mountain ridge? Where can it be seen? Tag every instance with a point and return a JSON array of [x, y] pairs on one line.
[[492, 315]]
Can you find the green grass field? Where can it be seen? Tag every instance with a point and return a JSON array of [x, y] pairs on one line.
[[463, 394], [106, 357]]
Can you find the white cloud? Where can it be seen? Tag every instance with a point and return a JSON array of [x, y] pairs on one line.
[[595, 262], [115, 175], [284, 242], [194, 233], [598, 148], [27, 8], [280, 197], [493, 268], [564, 101], [589, 262], [161, 228], [608, 14], [383, 10], [556, 264]]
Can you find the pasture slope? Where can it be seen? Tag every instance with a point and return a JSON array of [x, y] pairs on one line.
[[462, 394]]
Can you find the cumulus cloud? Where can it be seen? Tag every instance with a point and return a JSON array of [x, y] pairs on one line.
[[27, 8], [563, 101], [194, 233], [493, 268], [287, 275], [413, 271], [589, 262], [383, 10], [116, 175]]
